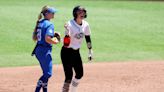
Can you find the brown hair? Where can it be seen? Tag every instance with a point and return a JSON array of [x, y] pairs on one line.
[[42, 12], [40, 16], [79, 8]]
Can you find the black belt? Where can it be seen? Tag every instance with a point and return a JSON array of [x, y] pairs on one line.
[[72, 48]]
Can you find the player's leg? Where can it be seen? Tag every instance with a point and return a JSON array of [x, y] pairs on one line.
[[41, 82], [39, 56], [68, 77], [78, 67], [67, 66], [45, 60], [47, 71]]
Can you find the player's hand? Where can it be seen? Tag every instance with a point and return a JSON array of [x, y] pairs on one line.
[[66, 26], [90, 55], [55, 40]]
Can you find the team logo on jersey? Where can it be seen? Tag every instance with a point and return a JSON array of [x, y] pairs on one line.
[[79, 35], [51, 31]]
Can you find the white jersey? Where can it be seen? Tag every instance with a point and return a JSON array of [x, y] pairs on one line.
[[77, 33]]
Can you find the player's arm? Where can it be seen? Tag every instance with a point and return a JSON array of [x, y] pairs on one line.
[[34, 36], [88, 41], [51, 40], [89, 45], [67, 35]]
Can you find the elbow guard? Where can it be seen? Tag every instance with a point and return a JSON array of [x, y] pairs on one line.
[[88, 40], [66, 41]]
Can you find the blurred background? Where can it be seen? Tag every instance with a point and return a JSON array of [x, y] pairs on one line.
[[121, 30]]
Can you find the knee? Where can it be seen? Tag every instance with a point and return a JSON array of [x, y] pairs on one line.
[[79, 75], [68, 81], [68, 78], [47, 75]]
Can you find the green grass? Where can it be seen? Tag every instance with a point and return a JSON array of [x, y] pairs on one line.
[[121, 30]]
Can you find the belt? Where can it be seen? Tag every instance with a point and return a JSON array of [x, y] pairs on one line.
[[74, 49], [43, 45], [71, 48]]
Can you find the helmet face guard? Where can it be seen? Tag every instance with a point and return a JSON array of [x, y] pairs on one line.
[[79, 8]]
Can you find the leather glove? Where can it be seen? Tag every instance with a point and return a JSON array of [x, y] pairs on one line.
[[57, 35]]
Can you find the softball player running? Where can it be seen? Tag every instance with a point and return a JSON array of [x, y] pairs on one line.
[[44, 35], [76, 30]]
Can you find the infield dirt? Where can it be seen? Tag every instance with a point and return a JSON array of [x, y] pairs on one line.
[[132, 76]]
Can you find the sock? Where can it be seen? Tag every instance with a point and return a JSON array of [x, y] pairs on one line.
[[42, 83], [65, 87], [74, 85], [44, 86], [39, 85]]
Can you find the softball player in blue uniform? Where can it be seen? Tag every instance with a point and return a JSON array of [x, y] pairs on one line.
[[44, 34]]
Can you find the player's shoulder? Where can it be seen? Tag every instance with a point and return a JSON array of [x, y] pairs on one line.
[[69, 22], [47, 23], [85, 22], [72, 22]]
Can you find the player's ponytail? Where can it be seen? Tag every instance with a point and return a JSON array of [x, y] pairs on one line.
[[44, 9], [39, 16], [42, 13]]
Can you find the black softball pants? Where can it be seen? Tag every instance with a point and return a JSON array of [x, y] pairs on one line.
[[71, 60]]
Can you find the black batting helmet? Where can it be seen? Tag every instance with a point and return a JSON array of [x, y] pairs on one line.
[[79, 8]]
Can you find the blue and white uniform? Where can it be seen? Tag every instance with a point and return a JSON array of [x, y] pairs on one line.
[[43, 50]]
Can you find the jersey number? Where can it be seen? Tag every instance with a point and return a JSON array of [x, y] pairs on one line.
[[39, 34]]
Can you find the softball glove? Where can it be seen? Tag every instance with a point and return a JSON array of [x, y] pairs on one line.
[[57, 35]]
